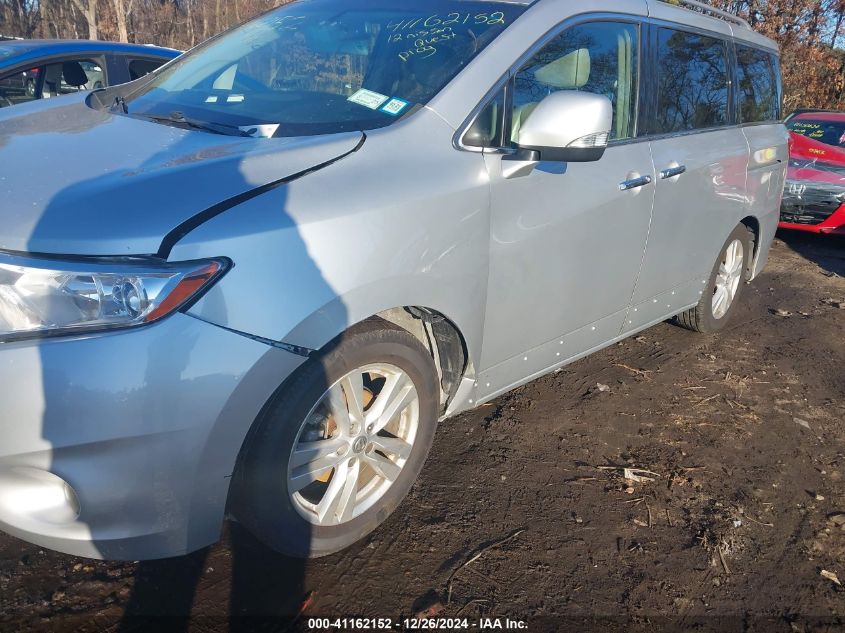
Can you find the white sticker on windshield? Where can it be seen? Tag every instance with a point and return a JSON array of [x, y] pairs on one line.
[[368, 99], [211, 99], [236, 98]]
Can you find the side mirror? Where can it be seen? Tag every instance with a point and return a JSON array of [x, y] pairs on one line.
[[567, 126]]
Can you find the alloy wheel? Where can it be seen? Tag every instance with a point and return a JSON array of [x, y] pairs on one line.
[[728, 278], [353, 444]]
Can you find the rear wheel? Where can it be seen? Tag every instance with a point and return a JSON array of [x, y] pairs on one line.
[[340, 446], [725, 286]]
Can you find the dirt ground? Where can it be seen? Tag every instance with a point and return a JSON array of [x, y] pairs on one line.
[[523, 510]]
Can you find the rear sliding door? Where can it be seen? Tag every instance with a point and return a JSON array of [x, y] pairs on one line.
[[700, 158]]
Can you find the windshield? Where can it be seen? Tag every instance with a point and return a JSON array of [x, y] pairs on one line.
[[827, 132], [325, 66]]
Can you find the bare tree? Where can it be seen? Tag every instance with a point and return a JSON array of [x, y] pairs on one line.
[[88, 9], [120, 19]]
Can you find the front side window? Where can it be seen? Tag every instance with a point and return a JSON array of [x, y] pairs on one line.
[[759, 93], [325, 66], [692, 82], [599, 57]]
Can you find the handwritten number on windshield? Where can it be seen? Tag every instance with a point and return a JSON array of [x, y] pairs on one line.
[[434, 30], [497, 17]]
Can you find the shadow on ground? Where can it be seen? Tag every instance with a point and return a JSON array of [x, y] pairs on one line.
[[827, 251], [266, 589]]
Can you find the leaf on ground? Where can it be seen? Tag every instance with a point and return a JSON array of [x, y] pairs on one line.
[[639, 475], [803, 423]]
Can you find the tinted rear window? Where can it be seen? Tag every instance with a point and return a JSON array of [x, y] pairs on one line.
[[759, 85], [692, 76]]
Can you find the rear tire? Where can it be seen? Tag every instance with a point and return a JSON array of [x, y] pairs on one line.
[[725, 286], [304, 425]]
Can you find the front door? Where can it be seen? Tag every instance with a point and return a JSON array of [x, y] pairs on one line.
[[567, 241]]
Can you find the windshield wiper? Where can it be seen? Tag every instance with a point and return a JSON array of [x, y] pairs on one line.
[[179, 119]]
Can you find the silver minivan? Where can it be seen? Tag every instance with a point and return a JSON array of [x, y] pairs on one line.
[[251, 284]]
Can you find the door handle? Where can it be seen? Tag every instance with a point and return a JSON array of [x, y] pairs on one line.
[[671, 172], [633, 183]]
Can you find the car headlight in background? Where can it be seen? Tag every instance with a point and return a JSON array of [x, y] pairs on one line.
[[41, 297]]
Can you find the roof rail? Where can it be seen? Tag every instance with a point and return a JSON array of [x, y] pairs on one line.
[[701, 7]]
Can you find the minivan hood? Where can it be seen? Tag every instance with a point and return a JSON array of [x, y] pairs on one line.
[[79, 181]]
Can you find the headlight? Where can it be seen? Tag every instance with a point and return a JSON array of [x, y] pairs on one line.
[[45, 297]]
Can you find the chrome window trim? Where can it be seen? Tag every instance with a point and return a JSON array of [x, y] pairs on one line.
[[735, 126]]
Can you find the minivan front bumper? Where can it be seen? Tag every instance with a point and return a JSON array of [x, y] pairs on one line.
[[122, 445]]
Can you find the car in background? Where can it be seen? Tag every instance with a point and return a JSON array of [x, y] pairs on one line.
[[814, 197], [20, 82], [41, 69]]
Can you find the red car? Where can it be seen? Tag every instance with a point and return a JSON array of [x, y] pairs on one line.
[[814, 197]]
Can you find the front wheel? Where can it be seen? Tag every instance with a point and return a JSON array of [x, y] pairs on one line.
[[725, 286], [340, 446]]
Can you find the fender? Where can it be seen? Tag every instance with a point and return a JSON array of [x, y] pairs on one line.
[[360, 236]]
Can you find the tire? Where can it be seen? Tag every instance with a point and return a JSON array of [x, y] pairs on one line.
[[705, 317], [265, 499], [30, 88]]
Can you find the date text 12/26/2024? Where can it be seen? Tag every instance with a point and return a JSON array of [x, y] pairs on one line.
[[319, 625]]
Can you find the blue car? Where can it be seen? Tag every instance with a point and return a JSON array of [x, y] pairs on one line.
[[40, 69]]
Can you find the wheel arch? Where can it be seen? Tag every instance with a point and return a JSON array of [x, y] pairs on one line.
[[444, 341], [444, 313], [439, 333], [753, 225]]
